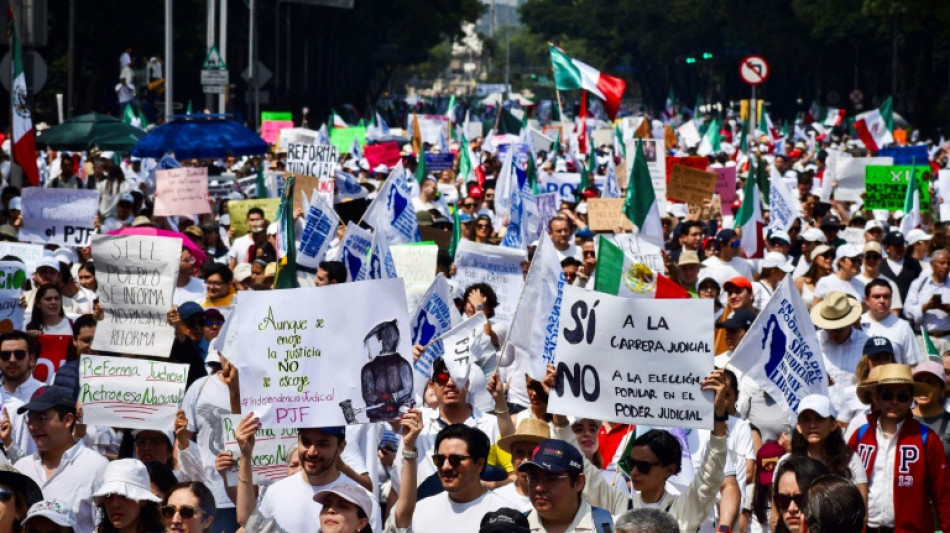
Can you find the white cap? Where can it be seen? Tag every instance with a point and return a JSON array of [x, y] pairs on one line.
[[814, 235], [66, 255], [818, 403], [779, 234], [381, 169], [581, 208], [350, 492], [777, 260], [242, 271], [272, 228], [55, 511], [916, 235], [847, 250], [873, 223], [47, 261], [15, 203]]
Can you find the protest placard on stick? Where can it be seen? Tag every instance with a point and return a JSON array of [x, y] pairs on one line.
[[131, 393], [311, 159], [12, 278], [690, 185], [181, 191], [606, 214], [238, 210], [886, 186], [415, 264], [59, 216], [136, 276], [497, 266], [272, 451]]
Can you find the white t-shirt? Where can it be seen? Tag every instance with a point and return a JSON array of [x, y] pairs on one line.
[[439, 513], [853, 287], [240, 249], [898, 331], [723, 271], [206, 403], [194, 291], [510, 493], [63, 328], [290, 503]]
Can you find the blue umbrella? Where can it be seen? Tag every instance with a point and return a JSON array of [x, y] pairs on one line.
[[200, 136]]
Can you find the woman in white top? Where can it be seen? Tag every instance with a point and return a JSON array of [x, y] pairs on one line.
[[821, 258], [48, 317]]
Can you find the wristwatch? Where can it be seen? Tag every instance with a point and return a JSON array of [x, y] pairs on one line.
[[410, 454], [723, 418]]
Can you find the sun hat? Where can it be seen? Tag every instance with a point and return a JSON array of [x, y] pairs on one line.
[[55, 511], [126, 477], [836, 311], [530, 430], [142, 221], [689, 257], [818, 403], [892, 374], [21, 484], [349, 492]]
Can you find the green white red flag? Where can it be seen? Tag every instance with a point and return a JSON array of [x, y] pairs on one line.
[[570, 73], [24, 140]]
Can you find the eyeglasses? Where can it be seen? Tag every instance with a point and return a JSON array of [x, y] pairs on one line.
[[453, 459], [629, 463], [186, 511], [5, 355], [442, 378], [468, 204], [36, 419], [589, 253], [482, 226], [544, 479], [783, 501], [888, 396], [5, 495]]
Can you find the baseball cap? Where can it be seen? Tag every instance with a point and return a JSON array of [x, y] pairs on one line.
[[189, 309], [916, 235], [476, 192], [47, 261], [739, 282], [55, 511], [872, 246], [554, 455], [127, 198], [349, 492], [739, 319], [831, 221], [777, 260], [381, 169], [848, 250], [242, 271], [814, 235], [504, 520], [877, 346], [931, 367], [873, 224], [334, 431], [15, 203], [780, 235], [465, 217], [725, 235], [49, 397], [821, 249], [818, 403], [766, 459], [893, 238]]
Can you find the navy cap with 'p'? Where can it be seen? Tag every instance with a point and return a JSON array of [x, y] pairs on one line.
[[555, 455], [47, 398]]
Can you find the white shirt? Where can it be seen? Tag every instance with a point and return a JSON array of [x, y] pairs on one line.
[[79, 474], [840, 362], [898, 331], [722, 271], [290, 503], [881, 483], [761, 294], [572, 251], [853, 287], [896, 301], [26, 389], [919, 293], [439, 513], [207, 401], [240, 249], [193, 291], [510, 493]]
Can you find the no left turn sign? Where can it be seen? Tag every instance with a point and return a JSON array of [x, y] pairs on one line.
[[754, 70]]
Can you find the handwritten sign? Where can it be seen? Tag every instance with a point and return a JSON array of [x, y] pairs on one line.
[[238, 210], [887, 186], [59, 216], [705, 215], [270, 129], [415, 264], [497, 266], [725, 186], [28, 253], [690, 185], [324, 364], [305, 186], [12, 277], [272, 451], [638, 361], [606, 214], [181, 191], [386, 153], [136, 276], [312, 159], [130, 393]]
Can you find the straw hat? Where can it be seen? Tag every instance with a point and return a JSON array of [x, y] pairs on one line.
[[892, 374], [530, 430], [836, 311]]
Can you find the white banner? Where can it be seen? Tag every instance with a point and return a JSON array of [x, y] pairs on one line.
[[343, 358], [30, 254], [634, 361], [59, 216], [319, 229], [784, 207], [130, 393], [12, 277], [136, 276], [354, 250], [459, 349], [781, 351], [498, 267], [850, 175], [565, 184], [272, 451], [311, 159], [415, 264]]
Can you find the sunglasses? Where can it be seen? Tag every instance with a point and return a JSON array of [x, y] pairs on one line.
[[5, 495], [442, 378], [482, 226], [186, 511], [629, 464], [888, 396], [5, 355], [589, 253], [468, 204], [735, 244], [872, 257], [783, 501], [453, 459]]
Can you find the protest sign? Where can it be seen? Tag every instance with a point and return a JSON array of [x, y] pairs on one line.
[[459, 348], [319, 229], [53, 350], [306, 186], [725, 186], [59, 216], [130, 393], [136, 276], [565, 185], [28, 253], [474, 130], [887, 186], [272, 451], [637, 361], [783, 205], [540, 141], [354, 249], [12, 278], [606, 214], [386, 153], [602, 136], [435, 314], [906, 155], [311, 159], [705, 215], [499, 267], [342, 138], [326, 363], [439, 162], [431, 126], [638, 249], [850, 176], [694, 161], [690, 185], [781, 352], [547, 205], [270, 129], [238, 210], [181, 191], [415, 264], [283, 116]]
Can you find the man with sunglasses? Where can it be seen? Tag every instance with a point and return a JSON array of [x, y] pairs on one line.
[[63, 468], [728, 262], [18, 356], [904, 459]]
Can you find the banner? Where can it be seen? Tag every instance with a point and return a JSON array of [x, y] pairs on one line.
[[391, 212], [342, 138], [781, 352], [460, 350], [311, 159], [690, 185], [130, 393], [783, 205], [887, 186], [344, 358], [30, 254], [435, 314], [136, 276], [12, 278], [272, 451], [850, 177], [499, 267], [907, 155], [181, 191], [725, 186], [565, 184], [386, 153], [238, 210], [416, 265], [606, 214], [634, 361], [439, 162], [430, 127], [318, 230], [355, 248], [62, 217]]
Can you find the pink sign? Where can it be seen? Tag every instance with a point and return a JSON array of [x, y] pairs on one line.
[[181, 191], [383, 153], [270, 129], [725, 186]]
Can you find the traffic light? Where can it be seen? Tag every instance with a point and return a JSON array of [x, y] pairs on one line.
[[707, 55], [690, 60]]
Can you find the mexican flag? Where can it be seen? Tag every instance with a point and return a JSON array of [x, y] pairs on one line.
[[911, 218], [24, 140], [570, 73], [873, 130], [286, 277], [640, 203], [834, 117], [749, 218], [711, 143], [619, 274], [338, 121]]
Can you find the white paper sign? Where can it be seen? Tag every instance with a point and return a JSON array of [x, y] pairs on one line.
[[634, 361], [565, 184], [12, 277], [342, 358], [59, 216], [136, 276], [498, 267], [783, 206], [460, 350], [272, 451], [850, 174], [311, 159], [415, 264], [30, 254], [130, 393]]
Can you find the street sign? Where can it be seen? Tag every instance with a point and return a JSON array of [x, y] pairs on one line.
[[214, 77], [263, 75], [215, 89], [754, 70], [213, 61]]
